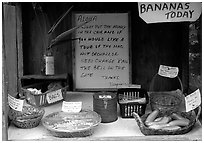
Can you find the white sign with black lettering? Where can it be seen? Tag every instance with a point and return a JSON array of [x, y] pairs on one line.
[[16, 104], [193, 100], [101, 55], [154, 12], [71, 107], [167, 71], [54, 96]]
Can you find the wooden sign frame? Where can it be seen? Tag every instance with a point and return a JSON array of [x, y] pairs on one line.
[[126, 65]]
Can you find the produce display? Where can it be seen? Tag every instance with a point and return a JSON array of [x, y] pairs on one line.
[[65, 124], [71, 122], [170, 122]]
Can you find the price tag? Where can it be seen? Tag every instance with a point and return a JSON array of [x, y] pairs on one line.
[[71, 107], [54, 96], [193, 100], [168, 71], [15, 104]]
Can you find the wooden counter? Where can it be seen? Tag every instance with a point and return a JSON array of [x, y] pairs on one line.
[[122, 129]]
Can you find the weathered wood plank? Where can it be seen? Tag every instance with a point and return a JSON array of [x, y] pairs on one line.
[[9, 62], [10, 47]]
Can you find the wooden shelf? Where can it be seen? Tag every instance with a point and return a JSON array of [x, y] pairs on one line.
[[49, 77]]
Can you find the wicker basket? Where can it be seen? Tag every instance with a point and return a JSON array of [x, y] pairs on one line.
[[72, 122], [30, 117], [40, 99], [192, 116], [128, 101]]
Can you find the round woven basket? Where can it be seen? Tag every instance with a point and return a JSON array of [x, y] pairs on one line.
[[30, 117], [68, 125], [192, 116]]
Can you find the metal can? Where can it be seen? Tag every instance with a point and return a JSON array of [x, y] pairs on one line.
[[105, 104]]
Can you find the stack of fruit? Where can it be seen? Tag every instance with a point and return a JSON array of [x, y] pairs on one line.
[[167, 122]]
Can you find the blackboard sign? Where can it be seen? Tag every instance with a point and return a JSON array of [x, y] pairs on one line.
[[101, 54]]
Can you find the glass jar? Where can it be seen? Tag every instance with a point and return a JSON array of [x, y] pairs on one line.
[[48, 63]]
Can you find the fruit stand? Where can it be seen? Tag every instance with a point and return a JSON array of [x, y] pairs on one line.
[[102, 71]]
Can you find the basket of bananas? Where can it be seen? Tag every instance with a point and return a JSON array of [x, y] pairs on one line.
[[174, 123]]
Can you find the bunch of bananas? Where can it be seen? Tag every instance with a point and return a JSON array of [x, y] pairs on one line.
[[171, 122]]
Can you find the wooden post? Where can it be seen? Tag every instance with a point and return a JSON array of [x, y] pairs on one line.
[[5, 85], [10, 60]]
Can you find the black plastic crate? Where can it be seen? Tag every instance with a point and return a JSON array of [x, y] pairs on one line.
[[132, 100]]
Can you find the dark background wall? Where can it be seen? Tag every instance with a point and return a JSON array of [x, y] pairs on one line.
[[151, 44]]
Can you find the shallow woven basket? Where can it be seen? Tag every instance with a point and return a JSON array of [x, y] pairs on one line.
[[192, 116], [75, 134], [59, 117], [30, 117]]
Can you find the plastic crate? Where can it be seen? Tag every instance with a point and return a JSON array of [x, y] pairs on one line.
[[41, 99], [130, 99]]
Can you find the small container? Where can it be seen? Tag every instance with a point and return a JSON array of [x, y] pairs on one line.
[[166, 94], [30, 117], [49, 64], [105, 104], [48, 67], [41, 99], [166, 102], [132, 100]]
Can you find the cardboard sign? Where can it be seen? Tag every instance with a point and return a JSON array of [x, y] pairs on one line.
[[71, 107], [169, 11], [168, 71], [15, 104], [54, 96], [193, 100]]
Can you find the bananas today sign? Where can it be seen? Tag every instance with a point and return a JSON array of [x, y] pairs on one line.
[[169, 11]]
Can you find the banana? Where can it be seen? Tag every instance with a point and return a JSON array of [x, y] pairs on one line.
[[151, 117], [163, 120], [171, 128], [158, 119], [158, 126], [177, 116], [180, 122]]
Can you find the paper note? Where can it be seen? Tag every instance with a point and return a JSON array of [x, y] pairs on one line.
[[193, 100], [14, 103], [168, 71], [71, 107], [54, 96]]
